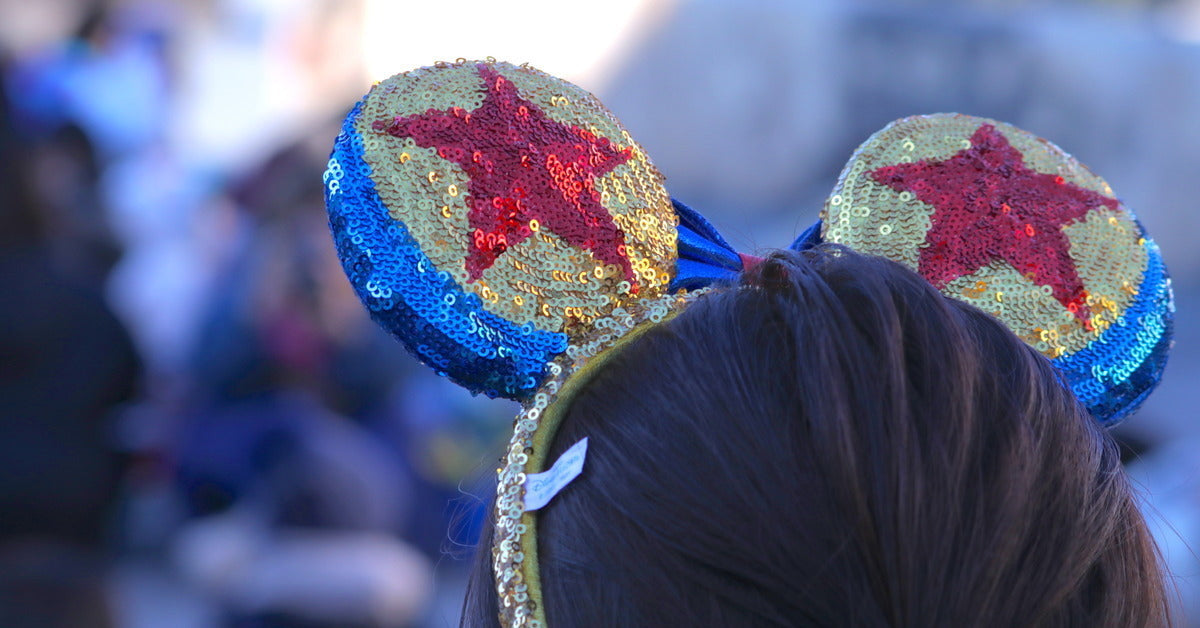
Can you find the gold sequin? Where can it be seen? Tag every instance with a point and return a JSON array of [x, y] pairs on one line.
[[515, 528], [1105, 245], [545, 268]]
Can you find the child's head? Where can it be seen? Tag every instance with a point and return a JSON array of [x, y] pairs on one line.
[[831, 441], [821, 438]]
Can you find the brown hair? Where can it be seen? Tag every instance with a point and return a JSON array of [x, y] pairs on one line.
[[832, 442]]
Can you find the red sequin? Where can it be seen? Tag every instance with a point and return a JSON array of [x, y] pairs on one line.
[[523, 166], [987, 206]]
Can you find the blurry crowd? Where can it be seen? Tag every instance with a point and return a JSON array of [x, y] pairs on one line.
[[199, 426]]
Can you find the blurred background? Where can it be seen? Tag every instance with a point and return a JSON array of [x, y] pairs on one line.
[[199, 427]]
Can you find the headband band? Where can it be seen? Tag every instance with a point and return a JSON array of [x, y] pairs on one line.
[[514, 544]]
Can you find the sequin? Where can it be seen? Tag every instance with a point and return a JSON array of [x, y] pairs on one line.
[[514, 527], [481, 181], [998, 218]]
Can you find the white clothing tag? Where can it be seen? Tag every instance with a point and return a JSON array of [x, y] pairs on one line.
[[540, 488]]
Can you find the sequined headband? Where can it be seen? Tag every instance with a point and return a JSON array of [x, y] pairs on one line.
[[508, 230]]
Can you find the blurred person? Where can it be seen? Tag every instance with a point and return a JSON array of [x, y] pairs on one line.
[[66, 365], [112, 81], [65, 172], [110, 77], [285, 491]]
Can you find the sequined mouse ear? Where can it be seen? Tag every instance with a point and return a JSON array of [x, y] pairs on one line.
[[487, 213], [1010, 223]]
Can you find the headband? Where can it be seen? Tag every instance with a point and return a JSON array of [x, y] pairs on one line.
[[506, 228]]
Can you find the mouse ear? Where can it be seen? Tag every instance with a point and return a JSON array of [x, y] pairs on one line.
[[1008, 222], [488, 213]]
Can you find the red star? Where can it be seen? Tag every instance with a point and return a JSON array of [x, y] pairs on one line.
[[987, 206], [523, 166]]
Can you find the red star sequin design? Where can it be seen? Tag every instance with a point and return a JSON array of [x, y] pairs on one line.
[[987, 206], [523, 166]]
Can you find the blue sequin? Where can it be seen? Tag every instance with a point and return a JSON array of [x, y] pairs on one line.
[[1114, 374], [444, 326], [450, 330]]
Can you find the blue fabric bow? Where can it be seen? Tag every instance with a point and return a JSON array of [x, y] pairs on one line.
[[706, 258]]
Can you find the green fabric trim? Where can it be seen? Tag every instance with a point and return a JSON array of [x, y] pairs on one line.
[[544, 437]]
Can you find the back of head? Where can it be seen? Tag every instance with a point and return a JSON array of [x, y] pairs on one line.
[[832, 442]]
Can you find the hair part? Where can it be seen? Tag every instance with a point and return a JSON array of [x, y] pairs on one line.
[[832, 442]]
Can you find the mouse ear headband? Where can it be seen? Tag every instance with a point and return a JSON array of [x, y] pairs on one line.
[[508, 230]]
